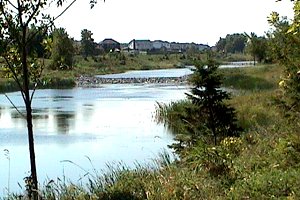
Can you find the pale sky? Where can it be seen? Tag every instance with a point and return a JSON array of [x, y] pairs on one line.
[[196, 21]]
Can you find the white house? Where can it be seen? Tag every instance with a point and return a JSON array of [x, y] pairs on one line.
[[140, 45]]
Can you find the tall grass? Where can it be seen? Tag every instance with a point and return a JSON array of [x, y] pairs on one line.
[[260, 77]]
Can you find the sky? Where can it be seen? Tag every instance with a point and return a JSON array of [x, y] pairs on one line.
[[196, 21]]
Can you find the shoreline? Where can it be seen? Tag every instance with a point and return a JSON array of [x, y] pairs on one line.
[[92, 81]]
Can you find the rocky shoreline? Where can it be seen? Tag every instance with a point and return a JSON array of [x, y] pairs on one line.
[[92, 81]]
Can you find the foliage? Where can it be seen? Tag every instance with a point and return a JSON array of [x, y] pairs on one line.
[[216, 118], [62, 50], [286, 40], [36, 48], [88, 47], [257, 47], [232, 43], [262, 77]]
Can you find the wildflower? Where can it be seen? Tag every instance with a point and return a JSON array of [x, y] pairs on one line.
[[282, 83]]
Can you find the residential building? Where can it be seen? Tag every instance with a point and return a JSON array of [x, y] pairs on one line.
[[140, 45], [110, 45], [159, 45]]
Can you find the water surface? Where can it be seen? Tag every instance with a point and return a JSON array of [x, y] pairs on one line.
[[111, 123]]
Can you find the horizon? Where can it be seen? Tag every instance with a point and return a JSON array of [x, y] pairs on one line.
[[170, 20], [145, 40]]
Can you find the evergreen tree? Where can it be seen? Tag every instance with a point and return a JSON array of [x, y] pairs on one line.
[[215, 117]]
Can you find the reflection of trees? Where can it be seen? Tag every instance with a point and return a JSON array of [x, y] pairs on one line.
[[87, 111], [63, 121], [61, 124]]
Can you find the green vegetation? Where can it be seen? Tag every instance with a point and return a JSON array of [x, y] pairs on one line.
[[232, 43], [121, 62], [62, 50], [261, 77], [263, 163], [205, 114]]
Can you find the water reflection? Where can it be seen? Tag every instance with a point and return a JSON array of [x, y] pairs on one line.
[[52, 120], [107, 124], [64, 121]]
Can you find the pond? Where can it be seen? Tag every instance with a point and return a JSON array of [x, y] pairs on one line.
[[111, 123], [160, 73], [108, 124]]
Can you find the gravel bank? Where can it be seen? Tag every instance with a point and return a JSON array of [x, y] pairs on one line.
[[91, 81]]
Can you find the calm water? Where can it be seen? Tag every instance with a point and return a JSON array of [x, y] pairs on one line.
[[108, 124], [169, 73], [112, 123], [151, 73]]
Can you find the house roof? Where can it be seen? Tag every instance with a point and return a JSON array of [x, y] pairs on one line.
[[109, 41]]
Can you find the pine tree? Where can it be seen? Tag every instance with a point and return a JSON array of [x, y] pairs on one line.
[[215, 117]]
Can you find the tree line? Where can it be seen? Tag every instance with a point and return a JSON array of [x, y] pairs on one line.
[[257, 46]]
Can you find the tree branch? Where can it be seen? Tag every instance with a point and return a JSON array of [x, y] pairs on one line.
[[14, 76], [35, 10], [64, 10], [15, 7], [15, 107], [20, 13]]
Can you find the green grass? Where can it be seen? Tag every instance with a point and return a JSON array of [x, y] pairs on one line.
[[116, 63], [260, 77], [233, 57]]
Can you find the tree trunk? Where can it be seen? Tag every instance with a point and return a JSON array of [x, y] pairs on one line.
[[33, 189]]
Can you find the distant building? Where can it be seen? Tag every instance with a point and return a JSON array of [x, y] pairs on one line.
[[159, 45], [140, 45], [110, 45], [203, 47]]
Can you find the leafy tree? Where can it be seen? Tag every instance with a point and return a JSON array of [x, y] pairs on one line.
[[62, 51], [232, 43], [257, 46], [88, 46], [215, 117], [286, 50], [36, 47], [221, 45], [16, 17]]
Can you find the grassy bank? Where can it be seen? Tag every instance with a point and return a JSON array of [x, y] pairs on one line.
[[9, 85]]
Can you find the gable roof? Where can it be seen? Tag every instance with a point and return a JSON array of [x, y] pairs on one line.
[[109, 41]]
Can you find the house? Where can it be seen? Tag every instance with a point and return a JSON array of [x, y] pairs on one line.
[[176, 47], [157, 46], [110, 45], [203, 47], [140, 45]]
